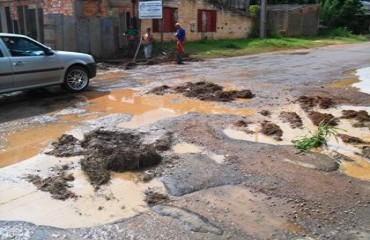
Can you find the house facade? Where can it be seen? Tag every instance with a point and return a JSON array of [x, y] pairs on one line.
[[96, 26]]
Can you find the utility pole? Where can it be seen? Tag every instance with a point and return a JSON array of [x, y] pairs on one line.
[[263, 19]]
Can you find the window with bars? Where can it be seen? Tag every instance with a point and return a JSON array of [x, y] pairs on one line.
[[169, 21], [207, 20]]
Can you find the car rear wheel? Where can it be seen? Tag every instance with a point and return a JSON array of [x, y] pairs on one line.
[[76, 79]]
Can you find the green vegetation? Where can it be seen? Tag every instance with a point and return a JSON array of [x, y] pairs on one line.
[[342, 14], [318, 138], [228, 48]]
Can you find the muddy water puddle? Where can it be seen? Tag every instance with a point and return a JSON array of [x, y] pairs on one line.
[[358, 168], [21, 201], [184, 148], [144, 109], [360, 81], [25, 143]]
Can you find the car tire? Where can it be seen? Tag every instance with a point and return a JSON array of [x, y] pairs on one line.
[[76, 79]]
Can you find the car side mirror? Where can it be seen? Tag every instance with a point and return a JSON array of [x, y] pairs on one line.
[[49, 52]]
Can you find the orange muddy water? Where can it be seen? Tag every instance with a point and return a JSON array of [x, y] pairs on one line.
[[25, 143], [145, 109]]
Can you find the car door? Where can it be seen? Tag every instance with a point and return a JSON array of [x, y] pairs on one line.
[[32, 66], [6, 71]]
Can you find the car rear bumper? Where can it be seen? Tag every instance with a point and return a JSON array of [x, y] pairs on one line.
[[92, 69]]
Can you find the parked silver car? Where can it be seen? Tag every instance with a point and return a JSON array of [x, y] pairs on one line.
[[26, 63]]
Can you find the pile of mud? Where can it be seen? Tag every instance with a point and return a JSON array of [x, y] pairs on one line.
[[350, 139], [205, 91], [66, 146], [308, 103], [318, 118], [292, 118], [56, 185], [154, 198], [271, 129], [106, 151], [115, 151], [362, 117]]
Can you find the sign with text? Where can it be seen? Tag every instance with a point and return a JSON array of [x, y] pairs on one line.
[[150, 10]]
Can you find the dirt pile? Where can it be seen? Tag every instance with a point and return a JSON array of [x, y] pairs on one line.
[[241, 123], [292, 118], [265, 113], [366, 152], [154, 198], [115, 151], [362, 117], [66, 146], [56, 185], [350, 139], [205, 91], [309, 102], [323, 118], [271, 129]]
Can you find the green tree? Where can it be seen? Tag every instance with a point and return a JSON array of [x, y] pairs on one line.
[[341, 13]]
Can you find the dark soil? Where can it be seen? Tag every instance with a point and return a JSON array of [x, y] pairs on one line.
[[66, 146], [309, 102], [205, 91], [323, 118], [271, 129], [161, 90], [56, 185], [265, 113], [362, 117], [154, 198], [241, 123], [366, 152], [115, 151], [350, 139], [292, 118]]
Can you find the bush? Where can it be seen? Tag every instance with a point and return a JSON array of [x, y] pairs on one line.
[[341, 13], [338, 32]]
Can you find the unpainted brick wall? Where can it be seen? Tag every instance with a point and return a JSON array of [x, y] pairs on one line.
[[93, 8], [229, 25], [64, 7]]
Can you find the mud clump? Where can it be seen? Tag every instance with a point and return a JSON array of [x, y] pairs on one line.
[[56, 185], [308, 103], [318, 118], [292, 118], [66, 146], [362, 117], [153, 198], [241, 123], [265, 113], [161, 90], [350, 139], [115, 151], [366, 152], [271, 129], [205, 91]]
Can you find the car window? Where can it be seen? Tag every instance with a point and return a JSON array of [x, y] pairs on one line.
[[22, 47], [1, 54]]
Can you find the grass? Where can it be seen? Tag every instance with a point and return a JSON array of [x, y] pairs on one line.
[[229, 48], [318, 138]]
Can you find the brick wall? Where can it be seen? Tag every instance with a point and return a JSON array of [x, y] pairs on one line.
[[94, 8], [63, 7], [229, 25]]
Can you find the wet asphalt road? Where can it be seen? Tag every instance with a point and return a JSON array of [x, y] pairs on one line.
[[272, 76]]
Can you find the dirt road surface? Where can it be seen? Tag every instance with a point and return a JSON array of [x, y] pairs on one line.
[[145, 155]]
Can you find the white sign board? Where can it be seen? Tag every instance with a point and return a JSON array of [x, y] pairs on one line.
[[150, 10]]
